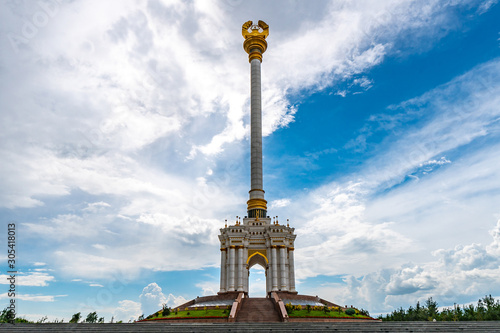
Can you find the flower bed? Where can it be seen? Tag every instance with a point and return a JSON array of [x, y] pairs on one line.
[[193, 314], [180, 318], [322, 314], [298, 311]]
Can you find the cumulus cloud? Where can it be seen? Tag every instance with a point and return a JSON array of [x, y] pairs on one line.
[[208, 287], [152, 299], [382, 220], [457, 275], [127, 310]]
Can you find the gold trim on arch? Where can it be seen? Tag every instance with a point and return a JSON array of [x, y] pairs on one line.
[[260, 253]]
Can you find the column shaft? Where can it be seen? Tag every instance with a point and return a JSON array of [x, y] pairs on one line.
[[240, 269], [274, 269], [223, 270], [268, 280], [291, 268], [246, 271], [284, 271], [256, 131], [231, 269]]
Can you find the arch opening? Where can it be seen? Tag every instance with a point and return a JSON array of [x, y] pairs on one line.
[[257, 281], [257, 271]]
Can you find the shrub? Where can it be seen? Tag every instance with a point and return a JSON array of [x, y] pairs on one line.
[[188, 313], [350, 312], [299, 307], [217, 307], [326, 309], [308, 308], [165, 311], [185, 309]]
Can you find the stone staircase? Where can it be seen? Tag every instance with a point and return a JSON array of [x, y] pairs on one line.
[[257, 310], [471, 326]]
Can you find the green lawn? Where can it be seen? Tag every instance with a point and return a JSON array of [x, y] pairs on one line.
[[196, 313], [320, 313]]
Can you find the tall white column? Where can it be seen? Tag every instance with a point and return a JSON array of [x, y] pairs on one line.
[[291, 268], [274, 269], [240, 268], [269, 272], [231, 268], [268, 280], [255, 45], [227, 269], [246, 271], [284, 271], [256, 132], [222, 270]]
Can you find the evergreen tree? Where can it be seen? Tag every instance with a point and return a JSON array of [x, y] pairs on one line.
[[76, 318], [487, 309]]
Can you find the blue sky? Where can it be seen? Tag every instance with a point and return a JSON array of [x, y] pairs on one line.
[[124, 147]]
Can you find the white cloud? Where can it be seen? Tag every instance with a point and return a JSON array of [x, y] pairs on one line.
[[127, 310], [35, 279], [279, 203], [152, 299], [441, 161], [457, 275], [208, 288], [381, 220], [99, 246], [173, 301], [33, 298], [96, 206]]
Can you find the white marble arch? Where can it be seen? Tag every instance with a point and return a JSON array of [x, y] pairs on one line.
[[257, 241]]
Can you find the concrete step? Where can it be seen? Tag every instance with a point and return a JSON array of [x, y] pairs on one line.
[[490, 326], [258, 310]]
